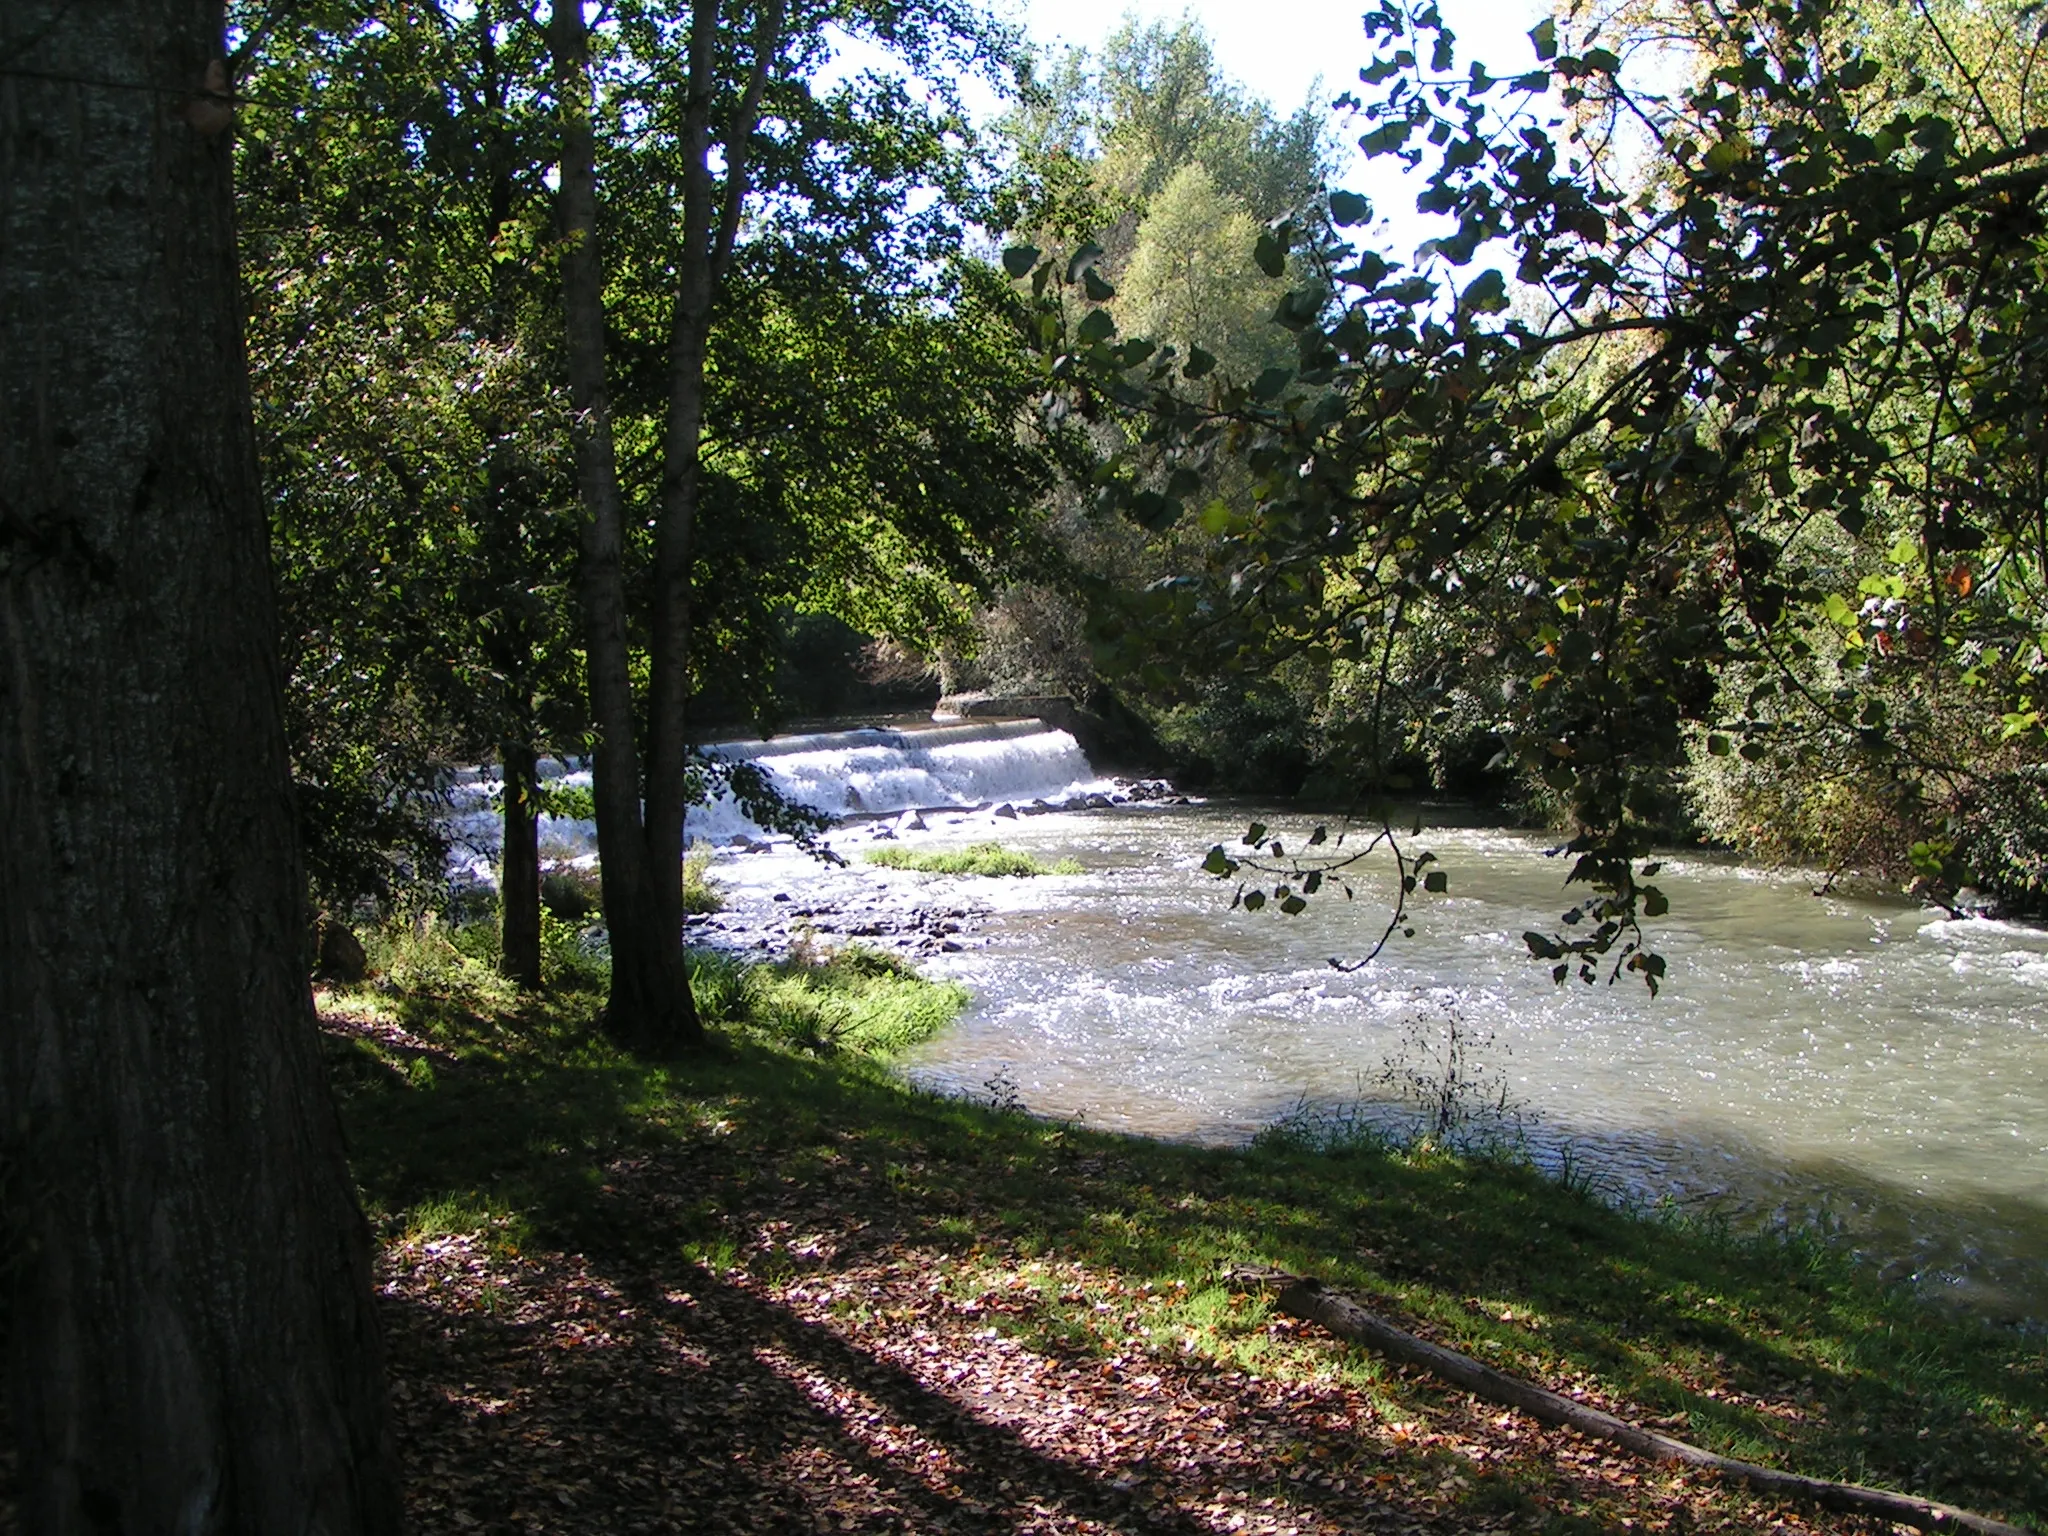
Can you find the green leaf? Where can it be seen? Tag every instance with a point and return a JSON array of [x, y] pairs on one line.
[[1927, 857], [1270, 254], [1544, 36], [1255, 834], [1096, 288], [1219, 863], [1727, 155], [1436, 880], [1292, 905], [1486, 294], [1253, 900], [1020, 259], [1348, 208], [1082, 260], [1199, 364], [1655, 902], [1269, 384], [1097, 325]]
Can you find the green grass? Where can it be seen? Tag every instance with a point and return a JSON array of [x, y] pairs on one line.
[[852, 999], [1773, 1348], [700, 892], [975, 859]]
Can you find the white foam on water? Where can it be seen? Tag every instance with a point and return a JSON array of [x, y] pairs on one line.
[[841, 773], [881, 772]]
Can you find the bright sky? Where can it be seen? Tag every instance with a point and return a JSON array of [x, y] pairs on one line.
[[1282, 50], [1287, 52]]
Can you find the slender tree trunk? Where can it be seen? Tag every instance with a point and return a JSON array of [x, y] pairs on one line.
[[711, 217], [519, 870], [650, 1002], [519, 860], [193, 1346], [682, 474]]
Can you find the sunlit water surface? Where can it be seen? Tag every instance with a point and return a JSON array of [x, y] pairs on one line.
[[1862, 1064]]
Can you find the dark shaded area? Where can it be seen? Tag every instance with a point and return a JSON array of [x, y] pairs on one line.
[[700, 1431], [10, 1469], [821, 668], [1682, 1326]]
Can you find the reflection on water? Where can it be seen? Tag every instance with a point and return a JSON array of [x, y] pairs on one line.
[[1861, 1062]]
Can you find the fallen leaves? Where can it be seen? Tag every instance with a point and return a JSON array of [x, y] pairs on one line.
[[840, 1376]]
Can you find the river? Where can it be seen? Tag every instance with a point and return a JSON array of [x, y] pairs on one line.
[[1861, 1064]]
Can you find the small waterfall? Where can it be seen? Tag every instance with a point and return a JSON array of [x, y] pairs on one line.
[[878, 772], [866, 772]]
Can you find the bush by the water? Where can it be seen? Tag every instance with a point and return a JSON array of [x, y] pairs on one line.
[[975, 859], [851, 999], [700, 892], [432, 954], [572, 891]]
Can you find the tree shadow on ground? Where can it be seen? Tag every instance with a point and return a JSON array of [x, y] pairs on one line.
[[711, 1409], [1765, 1351]]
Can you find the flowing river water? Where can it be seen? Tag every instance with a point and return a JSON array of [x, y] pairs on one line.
[[1862, 1065], [1865, 1066]]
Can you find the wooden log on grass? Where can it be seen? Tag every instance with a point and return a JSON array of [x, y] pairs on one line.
[[1312, 1301]]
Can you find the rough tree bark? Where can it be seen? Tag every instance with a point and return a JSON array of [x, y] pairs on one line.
[[193, 1345], [640, 821]]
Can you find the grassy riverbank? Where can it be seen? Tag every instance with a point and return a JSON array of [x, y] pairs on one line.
[[975, 859], [775, 1288]]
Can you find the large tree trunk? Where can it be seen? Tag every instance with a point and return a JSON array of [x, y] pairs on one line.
[[650, 1003], [193, 1346]]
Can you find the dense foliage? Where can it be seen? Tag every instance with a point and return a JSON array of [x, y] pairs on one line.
[[851, 428], [1739, 455]]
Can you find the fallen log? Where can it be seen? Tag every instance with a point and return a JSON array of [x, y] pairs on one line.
[[1309, 1299]]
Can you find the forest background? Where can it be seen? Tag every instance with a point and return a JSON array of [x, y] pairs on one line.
[[889, 457], [1695, 477]]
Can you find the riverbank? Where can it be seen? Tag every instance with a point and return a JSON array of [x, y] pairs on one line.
[[777, 1289]]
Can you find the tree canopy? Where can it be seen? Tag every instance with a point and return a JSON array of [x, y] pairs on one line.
[[1731, 448]]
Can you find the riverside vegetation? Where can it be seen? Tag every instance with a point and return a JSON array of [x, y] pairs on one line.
[[774, 1283], [557, 413], [974, 859]]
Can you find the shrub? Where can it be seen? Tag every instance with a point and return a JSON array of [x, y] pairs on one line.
[[1860, 816], [1247, 736], [853, 999], [571, 891], [975, 859], [700, 892]]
